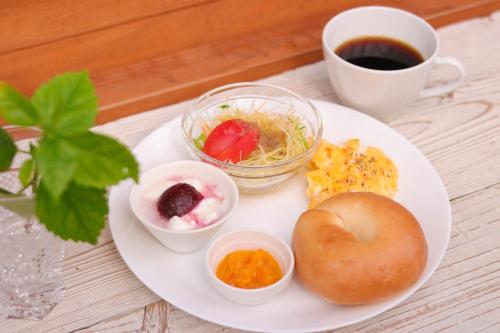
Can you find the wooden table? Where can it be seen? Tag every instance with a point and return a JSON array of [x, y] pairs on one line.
[[459, 133]]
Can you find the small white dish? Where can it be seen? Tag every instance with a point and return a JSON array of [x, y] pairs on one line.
[[250, 239], [184, 241]]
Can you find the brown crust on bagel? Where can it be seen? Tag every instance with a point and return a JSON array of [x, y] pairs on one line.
[[358, 247]]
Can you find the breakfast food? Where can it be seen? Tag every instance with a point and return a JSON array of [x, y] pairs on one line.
[[358, 247], [178, 200], [232, 140], [252, 137], [181, 203], [336, 169], [249, 269]]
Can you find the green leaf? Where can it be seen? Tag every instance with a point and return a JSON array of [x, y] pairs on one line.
[[7, 150], [102, 161], [19, 204], [90, 159], [56, 161], [15, 108], [4, 192], [67, 104], [79, 215], [26, 172]]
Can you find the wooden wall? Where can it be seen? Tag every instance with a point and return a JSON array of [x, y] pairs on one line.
[[148, 53]]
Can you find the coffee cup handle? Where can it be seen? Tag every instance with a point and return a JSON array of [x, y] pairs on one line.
[[449, 86]]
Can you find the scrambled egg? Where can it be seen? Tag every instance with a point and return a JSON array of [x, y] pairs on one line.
[[335, 169]]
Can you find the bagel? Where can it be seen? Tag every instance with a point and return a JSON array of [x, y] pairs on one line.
[[358, 248]]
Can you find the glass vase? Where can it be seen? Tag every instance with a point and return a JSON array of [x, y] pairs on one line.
[[31, 282]]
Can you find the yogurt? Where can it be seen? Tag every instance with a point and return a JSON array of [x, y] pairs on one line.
[[206, 212]]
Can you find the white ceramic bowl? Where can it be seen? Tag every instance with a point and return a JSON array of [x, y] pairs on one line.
[[250, 239], [186, 240]]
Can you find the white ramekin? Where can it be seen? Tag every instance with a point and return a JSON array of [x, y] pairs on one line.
[[187, 240], [250, 239]]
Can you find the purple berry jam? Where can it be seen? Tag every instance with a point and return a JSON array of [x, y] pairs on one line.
[[178, 200]]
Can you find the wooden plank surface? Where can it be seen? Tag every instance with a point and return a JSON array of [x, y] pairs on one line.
[[159, 52], [149, 37], [43, 21], [459, 133]]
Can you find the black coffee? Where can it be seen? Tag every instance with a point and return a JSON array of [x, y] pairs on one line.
[[381, 53]]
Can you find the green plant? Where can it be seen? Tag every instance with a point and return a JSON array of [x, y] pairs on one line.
[[69, 168]]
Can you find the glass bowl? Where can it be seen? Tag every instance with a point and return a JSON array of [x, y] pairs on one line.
[[250, 96]]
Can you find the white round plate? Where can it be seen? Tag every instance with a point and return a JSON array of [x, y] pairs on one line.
[[181, 278]]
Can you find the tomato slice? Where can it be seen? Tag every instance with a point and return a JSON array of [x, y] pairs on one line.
[[232, 141]]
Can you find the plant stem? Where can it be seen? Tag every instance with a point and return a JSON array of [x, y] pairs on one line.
[[23, 189], [34, 182]]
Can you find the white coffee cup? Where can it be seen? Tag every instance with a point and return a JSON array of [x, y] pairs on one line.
[[384, 94]]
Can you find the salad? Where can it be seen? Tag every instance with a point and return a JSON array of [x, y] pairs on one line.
[[253, 138]]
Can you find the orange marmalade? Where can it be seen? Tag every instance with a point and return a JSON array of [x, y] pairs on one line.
[[249, 269]]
